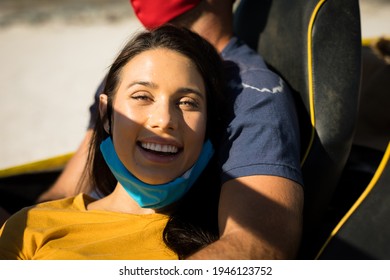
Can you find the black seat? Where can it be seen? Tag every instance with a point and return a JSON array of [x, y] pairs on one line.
[[364, 230], [315, 45]]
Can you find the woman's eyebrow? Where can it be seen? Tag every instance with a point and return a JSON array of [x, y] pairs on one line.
[[142, 83], [181, 90]]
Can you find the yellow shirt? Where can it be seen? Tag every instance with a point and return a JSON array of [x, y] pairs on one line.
[[66, 230]]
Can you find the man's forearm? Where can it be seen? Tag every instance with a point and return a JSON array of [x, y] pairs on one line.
[[260, 217], [237, 246], [66, 184]]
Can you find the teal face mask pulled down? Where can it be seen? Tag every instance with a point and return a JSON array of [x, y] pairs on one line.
[[154, 196]]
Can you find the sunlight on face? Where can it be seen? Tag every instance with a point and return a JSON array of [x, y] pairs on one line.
[[159, 115]]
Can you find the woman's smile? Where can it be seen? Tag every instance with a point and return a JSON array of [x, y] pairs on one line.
[[158, 152]]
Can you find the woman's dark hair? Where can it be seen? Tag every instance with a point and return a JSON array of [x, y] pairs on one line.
[[193, 220]]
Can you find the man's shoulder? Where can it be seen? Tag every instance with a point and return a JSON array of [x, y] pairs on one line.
[[238, 52], [247, 66]]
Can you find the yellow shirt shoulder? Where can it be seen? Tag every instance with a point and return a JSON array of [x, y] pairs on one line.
[[65, 229]]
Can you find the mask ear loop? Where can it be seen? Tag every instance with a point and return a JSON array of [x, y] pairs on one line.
[[109, 113]]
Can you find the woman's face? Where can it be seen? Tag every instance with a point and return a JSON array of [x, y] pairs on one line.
[[159, 115]]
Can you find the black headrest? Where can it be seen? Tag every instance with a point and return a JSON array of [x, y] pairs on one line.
[[315, 45]]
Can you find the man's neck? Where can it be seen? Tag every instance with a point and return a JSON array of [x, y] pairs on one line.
[[211, 20], [213, 32]]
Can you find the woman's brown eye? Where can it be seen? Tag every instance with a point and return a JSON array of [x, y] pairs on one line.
[[188, 104], [141, 97]]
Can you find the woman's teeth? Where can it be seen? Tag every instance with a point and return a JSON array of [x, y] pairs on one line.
[[160, 148]]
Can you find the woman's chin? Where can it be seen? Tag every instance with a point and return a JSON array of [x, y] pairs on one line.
[[157, 180]]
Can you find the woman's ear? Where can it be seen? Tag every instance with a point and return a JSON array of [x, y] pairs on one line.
[[103, 103]]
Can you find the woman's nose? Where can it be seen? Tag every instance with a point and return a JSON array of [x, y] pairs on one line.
[[163, 116]]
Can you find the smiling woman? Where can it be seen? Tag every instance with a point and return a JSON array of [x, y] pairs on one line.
[[151, 156], [154, 110]]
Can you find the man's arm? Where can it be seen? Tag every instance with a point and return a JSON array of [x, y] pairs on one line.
[[260, 217], [67, 183]]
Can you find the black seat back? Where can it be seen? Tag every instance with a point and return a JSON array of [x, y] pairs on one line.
[[316, 47]]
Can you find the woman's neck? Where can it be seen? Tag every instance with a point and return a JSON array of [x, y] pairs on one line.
[[119, 201]]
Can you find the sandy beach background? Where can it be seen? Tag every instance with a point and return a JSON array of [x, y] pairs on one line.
[[53, 55]]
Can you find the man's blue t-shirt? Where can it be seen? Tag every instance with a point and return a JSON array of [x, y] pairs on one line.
[[262, 137]]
